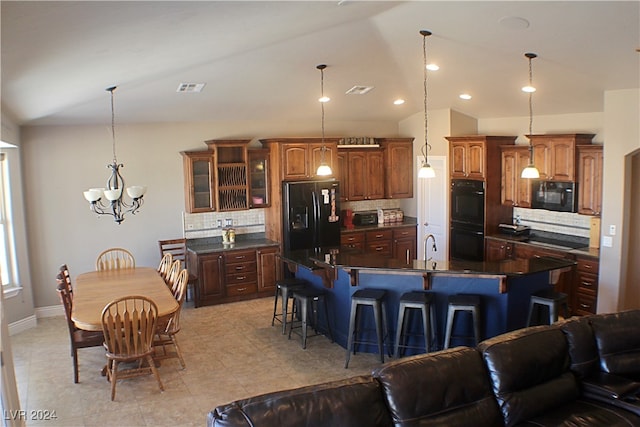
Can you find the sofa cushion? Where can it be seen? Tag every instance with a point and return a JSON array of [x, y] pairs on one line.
[[449, 387], [356, 402], [618, 339], [583, 351], [583, 413], [529, 369]]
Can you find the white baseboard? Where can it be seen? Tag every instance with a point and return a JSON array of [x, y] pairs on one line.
[[32, 321]]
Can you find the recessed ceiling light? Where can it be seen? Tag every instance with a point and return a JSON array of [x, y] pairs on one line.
[[465, 96], [433, 67], [190, 87], [398, 102]]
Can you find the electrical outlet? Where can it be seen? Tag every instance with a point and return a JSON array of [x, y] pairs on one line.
[[612, 230], [189, 226], [607, 241]]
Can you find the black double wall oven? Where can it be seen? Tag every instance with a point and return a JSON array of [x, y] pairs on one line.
[[467, 220]]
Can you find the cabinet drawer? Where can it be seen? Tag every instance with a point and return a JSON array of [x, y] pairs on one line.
[[373, 236], [242, 289], [241, 267], [403, 233], [586, 304], [239, 256], [587, 283], [233, 279], [382, 247], [348, 239], [587, 265]]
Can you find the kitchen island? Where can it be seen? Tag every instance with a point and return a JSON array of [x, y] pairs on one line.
[[505, 287]]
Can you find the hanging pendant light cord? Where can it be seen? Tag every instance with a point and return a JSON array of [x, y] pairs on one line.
[[426, 146], [322, 103], [113, 125], [530, 97]]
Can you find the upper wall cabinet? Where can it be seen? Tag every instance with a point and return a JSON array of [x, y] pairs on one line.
[[398, 167], [471, 155], [555, 155], [232, 186], [515, 191], [300, 157], [198, 181], [365, 178], [259, 178], [589, 179]]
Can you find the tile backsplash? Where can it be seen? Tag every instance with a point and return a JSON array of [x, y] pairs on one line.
[[206, 224], [371, 205], [554, 222]]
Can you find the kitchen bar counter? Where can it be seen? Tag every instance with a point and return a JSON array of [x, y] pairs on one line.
[[505, 287]]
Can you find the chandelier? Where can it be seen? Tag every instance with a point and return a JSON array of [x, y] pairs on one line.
[[324, 169], [115, 204], [426, 171], [530, 172]]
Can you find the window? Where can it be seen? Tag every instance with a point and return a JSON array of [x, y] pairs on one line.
[[8, 270]]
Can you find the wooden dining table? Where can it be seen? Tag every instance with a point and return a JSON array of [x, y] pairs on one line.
[[94, 290]]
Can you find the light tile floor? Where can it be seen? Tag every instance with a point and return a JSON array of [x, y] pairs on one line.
[[231, 352]]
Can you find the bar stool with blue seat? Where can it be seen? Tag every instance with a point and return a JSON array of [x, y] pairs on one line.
[[305, 298], [284, 290], [373, 298], [552, 300], [420, 301], [465, 303]]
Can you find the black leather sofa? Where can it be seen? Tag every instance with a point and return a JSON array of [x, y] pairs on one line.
[[579, 372]]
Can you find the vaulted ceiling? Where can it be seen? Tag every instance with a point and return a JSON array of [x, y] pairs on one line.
[[258, 59]]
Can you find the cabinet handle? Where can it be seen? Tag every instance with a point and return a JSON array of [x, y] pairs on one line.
[[240, 257], [587, 284], [239, 268], [240, 277], [241, 289], [585, 305], [379, 248], [378, 236], [408, 260], [587, 266]]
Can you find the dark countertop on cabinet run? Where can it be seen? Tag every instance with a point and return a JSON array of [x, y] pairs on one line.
[[358, 260], [407, 221], [582, 251], [208, 245]]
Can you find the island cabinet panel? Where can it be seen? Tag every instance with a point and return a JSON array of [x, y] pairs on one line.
[[379, 242], [498, 250], [398, 167], [555, 155], [515, 191], [589, 179], [586, 286]]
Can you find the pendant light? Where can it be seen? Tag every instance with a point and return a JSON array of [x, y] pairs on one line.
[[426, 171], [530, 172], [324, 169]]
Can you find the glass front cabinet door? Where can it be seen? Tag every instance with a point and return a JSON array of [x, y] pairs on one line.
[[198, 169], [259, 178]]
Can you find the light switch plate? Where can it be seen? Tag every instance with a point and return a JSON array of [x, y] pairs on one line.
[[607, 241]]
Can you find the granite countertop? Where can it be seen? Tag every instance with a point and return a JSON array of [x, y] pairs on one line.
[[407, 221], [208, 245], [564, 243], [355, 259]]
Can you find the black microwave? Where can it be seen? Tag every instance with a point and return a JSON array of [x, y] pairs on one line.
[[554, 196]]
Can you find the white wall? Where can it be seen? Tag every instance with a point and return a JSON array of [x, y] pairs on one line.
[[60, 162]]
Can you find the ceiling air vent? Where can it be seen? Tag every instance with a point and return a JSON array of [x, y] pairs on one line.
[[190, 87], [359, 90]]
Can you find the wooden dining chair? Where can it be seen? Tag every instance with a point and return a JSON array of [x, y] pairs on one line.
[[172, 274], [165, 265], [168, 328], [178, 248], [77, 337], [129, 324], [64, 278], [115, 259]]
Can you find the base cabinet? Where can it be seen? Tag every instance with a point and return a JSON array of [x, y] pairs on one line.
[[586, 291], [234, 275], [397, 242], [405, 247]]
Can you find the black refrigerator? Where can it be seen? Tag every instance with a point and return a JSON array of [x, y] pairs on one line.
[[310, 212]]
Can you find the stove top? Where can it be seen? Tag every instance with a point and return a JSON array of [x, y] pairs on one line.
[[564, 244]]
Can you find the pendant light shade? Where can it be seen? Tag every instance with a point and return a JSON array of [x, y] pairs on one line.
[[530, 172], [426, 171], [324, 169]]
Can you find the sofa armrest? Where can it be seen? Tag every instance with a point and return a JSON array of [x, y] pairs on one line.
[[609, 386]]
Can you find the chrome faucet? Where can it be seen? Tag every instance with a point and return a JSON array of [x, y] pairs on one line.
[[426, 240]]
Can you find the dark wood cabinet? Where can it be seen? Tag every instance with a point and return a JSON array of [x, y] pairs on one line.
[[586, 286], [231, 182], [467, 159], [300, 159], [259, 178], [198, 181], [234, 275], [379, 242], [342, 175], [399, 168], [366, 178], [589, 179], [405, 246], [515, 191], [353, 240], [498, 250], [555, 155]]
